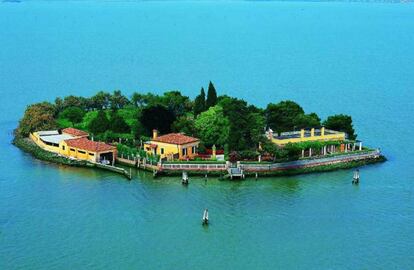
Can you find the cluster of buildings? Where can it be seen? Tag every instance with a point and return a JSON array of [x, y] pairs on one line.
[[74, 143]]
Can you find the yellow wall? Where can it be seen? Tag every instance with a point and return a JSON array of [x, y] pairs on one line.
[[171, 149], [66, 152], [77, 153], [340, 136]]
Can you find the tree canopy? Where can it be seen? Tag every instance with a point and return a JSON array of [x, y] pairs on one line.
[[213, 127], [39, 116], [341, 122], [157, 117], [73, 114], [99, 124], [118, 124], [280, 117], [246, 123]]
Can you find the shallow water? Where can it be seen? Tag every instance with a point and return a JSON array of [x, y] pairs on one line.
[[353, 58]]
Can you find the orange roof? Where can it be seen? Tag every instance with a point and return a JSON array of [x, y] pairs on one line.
[[88, 145], [175, 138], [74, 132]]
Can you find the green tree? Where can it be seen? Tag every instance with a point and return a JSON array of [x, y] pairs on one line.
[[341, 122], [177, 103], [58, 105], [280, 117], [138, 99], [99, 124], [246, 124], [213, 127], [73, 114], [118, 100], [100, 101], [157, 117], [118, 124], [74, 101], [200, 103], [211, 96], [306, 121], [186, 125], [39, 116]]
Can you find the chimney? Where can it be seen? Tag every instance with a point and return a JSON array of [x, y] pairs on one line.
[[154, 133]]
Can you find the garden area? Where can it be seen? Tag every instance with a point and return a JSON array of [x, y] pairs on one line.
[[232, 125]]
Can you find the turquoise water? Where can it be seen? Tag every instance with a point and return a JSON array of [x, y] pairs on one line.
[[355, 58]]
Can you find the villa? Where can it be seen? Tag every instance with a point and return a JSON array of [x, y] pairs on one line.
[[172, 146], [305, 135], [74, 143]]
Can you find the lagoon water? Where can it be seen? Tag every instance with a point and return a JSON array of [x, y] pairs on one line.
[[331, 57]]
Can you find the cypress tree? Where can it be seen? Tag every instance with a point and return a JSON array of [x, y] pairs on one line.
[[211, 96], [200, 103]]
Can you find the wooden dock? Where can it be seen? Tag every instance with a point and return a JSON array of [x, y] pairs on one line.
[[235, 172]]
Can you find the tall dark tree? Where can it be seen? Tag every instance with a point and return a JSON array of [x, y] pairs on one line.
[[341, 122], [280, 117], [211, 96], [200, 103], [99, 124], [157, 117]]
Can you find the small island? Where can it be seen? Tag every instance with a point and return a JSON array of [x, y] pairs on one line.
[[169, 134]]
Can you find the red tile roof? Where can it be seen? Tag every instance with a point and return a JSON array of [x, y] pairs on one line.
[[175, 138], [88, 145], [74, 132]]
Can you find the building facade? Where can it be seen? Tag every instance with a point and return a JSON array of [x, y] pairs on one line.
[[305, 135], [172, 146], [74, 143]]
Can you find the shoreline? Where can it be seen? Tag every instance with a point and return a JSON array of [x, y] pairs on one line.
[[35, 151], [41, 154]]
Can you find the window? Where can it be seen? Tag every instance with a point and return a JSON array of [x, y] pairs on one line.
[[63, 147], [82, 152], [73, 150], [193, 149], [184, 151], [162, 151], [91, 154]]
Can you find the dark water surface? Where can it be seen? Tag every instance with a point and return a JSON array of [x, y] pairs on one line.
[[330, 57]]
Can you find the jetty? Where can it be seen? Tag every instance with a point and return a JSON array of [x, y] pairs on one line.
[[235, 172]]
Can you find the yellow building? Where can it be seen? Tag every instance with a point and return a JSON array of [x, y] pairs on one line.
[[305, 135], [172, 146], [74, 143]]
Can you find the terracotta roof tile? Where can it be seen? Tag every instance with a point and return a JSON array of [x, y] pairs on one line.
[[74, 132], [175, 138], [88, 145]]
